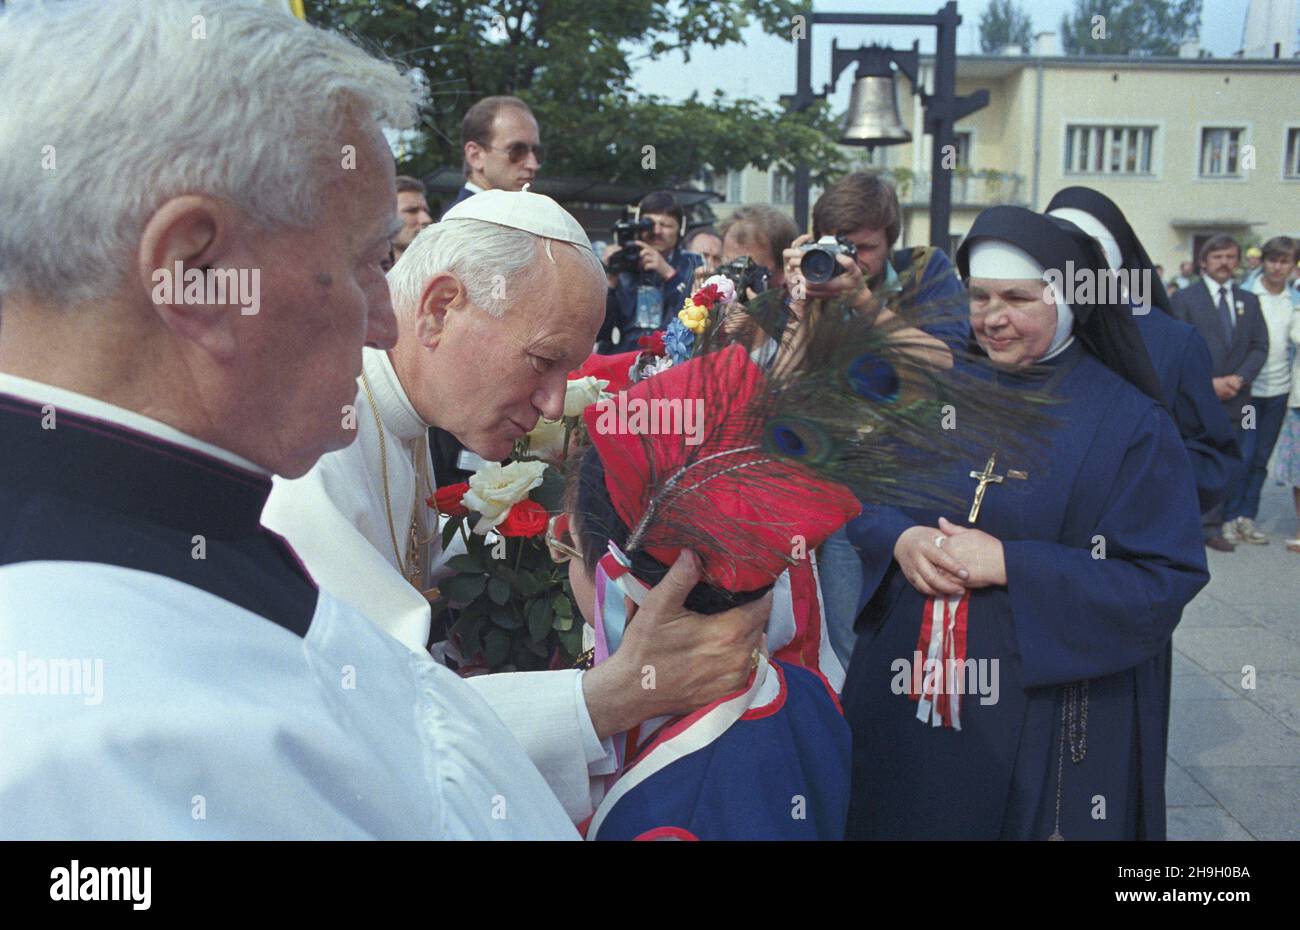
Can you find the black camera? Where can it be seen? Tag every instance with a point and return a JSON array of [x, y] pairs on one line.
[[747, 275], [819, 263], [627, 233]]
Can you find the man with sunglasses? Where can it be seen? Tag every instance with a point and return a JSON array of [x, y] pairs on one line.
[[502, 146]]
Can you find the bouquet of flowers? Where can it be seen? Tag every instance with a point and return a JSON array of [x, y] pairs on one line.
[[514, 609], [701, 311]]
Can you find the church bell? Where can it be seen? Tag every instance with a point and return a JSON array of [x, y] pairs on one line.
[[873, 112]]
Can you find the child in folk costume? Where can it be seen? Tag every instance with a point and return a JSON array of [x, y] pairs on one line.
[[750, 469], [770, 761]]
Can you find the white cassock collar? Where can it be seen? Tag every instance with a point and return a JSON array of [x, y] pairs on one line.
[[394, 407], [38, 392]]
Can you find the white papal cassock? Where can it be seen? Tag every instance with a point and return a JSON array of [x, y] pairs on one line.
[[336, 519]]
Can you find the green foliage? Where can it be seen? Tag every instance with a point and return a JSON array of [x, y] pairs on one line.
[[1129, 27], [1004, 22], [512, 613], [572, 61]]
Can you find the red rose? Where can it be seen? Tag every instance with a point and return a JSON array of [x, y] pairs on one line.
[[526, 518], [447, 500], [653, 343]]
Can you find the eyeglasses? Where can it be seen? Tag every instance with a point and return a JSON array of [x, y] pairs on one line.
[[559, 541], [518, 151]]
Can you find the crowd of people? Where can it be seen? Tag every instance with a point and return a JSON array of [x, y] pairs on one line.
[[915, 577]]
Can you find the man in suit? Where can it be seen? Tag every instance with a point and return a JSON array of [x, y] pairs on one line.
[[502, 147], [1229, 320]]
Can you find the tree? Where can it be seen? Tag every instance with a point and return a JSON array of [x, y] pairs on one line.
[[1003, 22], [1129, 27], [572, 61]]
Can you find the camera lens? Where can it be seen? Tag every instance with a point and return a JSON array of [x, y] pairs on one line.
[[818, 266]]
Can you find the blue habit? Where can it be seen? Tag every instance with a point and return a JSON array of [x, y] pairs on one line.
[[779, 772], [1182, 362], [1114, 473]]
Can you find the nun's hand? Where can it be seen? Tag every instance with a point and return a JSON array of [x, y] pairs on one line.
[[981, 553], [928, 565]]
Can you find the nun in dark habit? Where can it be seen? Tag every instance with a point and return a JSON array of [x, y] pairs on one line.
[[1007, 677], [1179, 354]]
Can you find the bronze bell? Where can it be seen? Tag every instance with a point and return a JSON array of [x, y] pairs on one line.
[[873, 112]]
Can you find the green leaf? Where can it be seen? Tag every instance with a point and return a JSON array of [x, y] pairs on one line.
[[468, 632], [571, 640], [563, 623], [506, 617], [562, 605], [498, 591], [538, 610], [496, 647], [539, 621], [527, 584], [465, 563], [464, 588]]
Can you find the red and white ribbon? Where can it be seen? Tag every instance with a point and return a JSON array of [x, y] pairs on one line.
[[942, 648]]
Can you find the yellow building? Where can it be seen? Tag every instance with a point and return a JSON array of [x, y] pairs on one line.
[[1186, 146]]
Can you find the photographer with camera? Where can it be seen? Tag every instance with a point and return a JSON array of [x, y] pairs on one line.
[[855, 222], [848, 258], [650, 274]]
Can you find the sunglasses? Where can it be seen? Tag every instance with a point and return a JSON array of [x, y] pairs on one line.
[[559, 541], [518, 151]]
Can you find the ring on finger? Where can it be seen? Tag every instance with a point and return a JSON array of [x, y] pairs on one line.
[[938, 541]]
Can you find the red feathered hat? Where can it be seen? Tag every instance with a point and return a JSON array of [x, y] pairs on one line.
[[685, 467], [616, 369]]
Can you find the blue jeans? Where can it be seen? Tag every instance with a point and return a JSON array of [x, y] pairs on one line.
[[839, 568], [1256, 447]]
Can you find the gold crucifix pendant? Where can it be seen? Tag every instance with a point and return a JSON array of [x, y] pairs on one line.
[[985, 478]]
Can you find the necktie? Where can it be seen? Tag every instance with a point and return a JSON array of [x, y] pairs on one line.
[[1225, 312]]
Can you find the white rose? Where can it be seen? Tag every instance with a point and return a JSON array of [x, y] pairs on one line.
[[494, 489], [582, 392], [546, 439], [726, 288]]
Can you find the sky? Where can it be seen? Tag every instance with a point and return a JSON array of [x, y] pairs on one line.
[[764, 68]]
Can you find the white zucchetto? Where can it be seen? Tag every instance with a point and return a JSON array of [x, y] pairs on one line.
[[534, 213]]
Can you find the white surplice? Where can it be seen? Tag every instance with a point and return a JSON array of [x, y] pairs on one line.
[[207, 721], [134, 706], [335, 519]]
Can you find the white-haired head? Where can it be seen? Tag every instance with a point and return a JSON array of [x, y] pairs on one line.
[[490, 261], [157, 98]]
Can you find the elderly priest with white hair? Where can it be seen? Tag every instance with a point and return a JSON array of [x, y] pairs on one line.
[[218, 693], [495, 305]]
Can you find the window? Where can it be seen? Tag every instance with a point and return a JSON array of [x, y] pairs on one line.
[[782, 188], [733, 192], [1220, 148], [1108, 149], [727, 185], [962, 143], [1291, 164]]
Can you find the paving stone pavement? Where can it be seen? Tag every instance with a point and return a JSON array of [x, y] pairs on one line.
[[1234, 750]]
